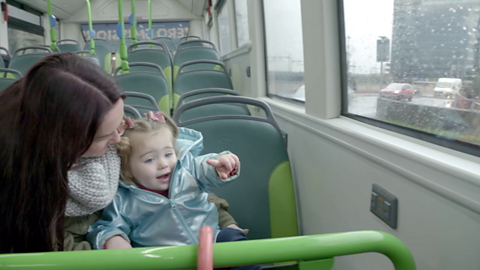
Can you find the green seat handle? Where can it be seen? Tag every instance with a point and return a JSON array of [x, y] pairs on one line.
[[6, 51], [33, 48], [67, 40], [154, 106], [196, 62], [196, 41], [187, 37], [207, 91], [132, 110], [225, 99]]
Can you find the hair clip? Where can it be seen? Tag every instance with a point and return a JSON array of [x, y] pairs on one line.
[[155, 117]]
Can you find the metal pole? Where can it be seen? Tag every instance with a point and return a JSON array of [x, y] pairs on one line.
[[381, 74]]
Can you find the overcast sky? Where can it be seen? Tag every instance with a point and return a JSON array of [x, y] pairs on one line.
[[365, 21]]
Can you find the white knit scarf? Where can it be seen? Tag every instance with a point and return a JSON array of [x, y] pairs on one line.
[[93, 186]]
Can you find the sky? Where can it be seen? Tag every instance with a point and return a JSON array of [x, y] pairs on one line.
[[365, 21]]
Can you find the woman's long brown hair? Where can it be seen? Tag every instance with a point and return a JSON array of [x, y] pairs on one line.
[[48, 120]]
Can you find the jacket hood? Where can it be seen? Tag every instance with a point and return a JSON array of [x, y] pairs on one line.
[[188, 140]]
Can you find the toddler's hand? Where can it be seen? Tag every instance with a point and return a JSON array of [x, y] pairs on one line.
[[234, 226], [225, 165], [117, 242]]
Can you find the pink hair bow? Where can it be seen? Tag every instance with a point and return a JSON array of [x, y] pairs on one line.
[[155, 117]]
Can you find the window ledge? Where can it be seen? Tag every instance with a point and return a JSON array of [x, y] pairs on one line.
[[358, 137], [246, 48]]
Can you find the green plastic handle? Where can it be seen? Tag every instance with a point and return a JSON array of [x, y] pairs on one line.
[[90, 26], [313, 247], [150, 20], [133, 30], [53, 33], [123, 45]]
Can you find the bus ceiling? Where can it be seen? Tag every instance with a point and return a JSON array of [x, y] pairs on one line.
[[65, 9]]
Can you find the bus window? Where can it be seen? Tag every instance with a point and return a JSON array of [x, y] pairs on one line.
[[241, 21], [224, 29], [284, 47], [431, 47]]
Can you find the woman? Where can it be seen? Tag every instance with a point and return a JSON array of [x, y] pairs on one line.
[[58, 124], [64, 108]]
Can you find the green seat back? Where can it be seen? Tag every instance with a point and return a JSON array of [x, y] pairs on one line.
[[262, 198], [5, 82], [198, 79], [197, 43], [102, 50], [214, 110], [7, 77], [168, 42], [4, 56], [194, 53], [157, 54], [211, 109], [88, 56], [23, 63], [93, 59], [154, 56], [153, 84], [69, 47]]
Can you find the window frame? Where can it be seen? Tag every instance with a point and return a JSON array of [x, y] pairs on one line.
[[450, 143], [21, 25], [291, 100]]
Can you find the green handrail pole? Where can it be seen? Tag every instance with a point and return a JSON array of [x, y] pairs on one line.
[[123, 45], [133, 30], [150, 18], [312, 247], [53, 34], [90, 26]]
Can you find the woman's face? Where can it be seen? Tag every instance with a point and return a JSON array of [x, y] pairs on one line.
[[107, 133]]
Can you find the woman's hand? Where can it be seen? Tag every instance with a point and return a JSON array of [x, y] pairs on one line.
[[226, 165]]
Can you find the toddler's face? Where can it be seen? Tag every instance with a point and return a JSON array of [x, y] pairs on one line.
[[152, 159]]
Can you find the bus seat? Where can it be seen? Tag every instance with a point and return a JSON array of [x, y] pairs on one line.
[[5, 55], [103, 51], [88, 56], [206, 92], [198, 43], [262, 198], [68, 45], [7, 77], [189, 78], [187, 38], [143, 103], [57, 50], [131, 112], [159, 54], [186, 54], [23, 62], [168, 42], [146, 81], [211, 109]]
